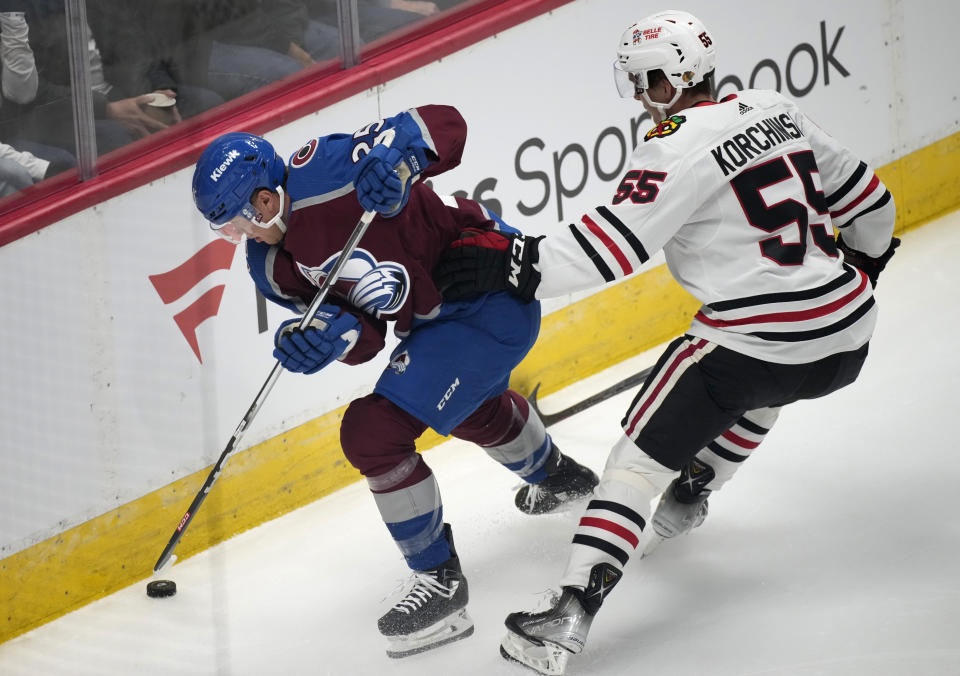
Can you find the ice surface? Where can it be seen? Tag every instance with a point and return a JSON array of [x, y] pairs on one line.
[[834, 551]]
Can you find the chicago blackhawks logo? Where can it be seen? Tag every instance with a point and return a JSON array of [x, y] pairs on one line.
[[665, 128]]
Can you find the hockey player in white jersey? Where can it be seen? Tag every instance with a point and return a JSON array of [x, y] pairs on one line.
[[744, 195]]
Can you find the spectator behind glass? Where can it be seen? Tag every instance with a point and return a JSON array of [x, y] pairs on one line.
[[237, 46], [18, 75], [13, 175], [242, 29], [21, 169], [206, 51], [19, 72], [135, 44], [378, 18], [48, 119]]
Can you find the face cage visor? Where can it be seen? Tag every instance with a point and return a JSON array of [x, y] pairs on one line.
[[628, 84], [249, 222]]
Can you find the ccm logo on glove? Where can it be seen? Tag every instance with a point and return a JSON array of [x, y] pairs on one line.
[[481, 261], [516, 262]]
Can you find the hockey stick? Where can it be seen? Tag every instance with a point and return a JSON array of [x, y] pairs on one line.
[[261, 397], [622, 386]]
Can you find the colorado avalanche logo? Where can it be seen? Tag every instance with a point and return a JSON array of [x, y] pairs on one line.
[[304, 155], [376, 288], [383, 290], [400, 362]]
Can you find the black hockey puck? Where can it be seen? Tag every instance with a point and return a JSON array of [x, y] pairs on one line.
[[160, 588]]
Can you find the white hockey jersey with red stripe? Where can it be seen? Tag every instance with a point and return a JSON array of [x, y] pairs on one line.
[[744, 197]]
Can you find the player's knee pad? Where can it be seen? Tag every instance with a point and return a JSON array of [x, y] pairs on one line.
[[498, 420], [511, 433], [377, 436], [763, 418], [631, 467]]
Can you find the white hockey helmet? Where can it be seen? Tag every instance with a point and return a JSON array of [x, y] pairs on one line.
[[674, 42]]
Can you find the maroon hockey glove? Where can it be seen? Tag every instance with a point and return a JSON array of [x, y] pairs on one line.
[[871, 266], [481, 261]]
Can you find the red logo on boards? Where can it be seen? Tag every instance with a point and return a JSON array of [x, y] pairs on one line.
[[175, 283]]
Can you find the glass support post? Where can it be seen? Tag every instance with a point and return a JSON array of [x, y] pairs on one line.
[[78, 44], [349, 26]]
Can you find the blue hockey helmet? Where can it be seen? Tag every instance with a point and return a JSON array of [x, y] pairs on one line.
[[230, 170]]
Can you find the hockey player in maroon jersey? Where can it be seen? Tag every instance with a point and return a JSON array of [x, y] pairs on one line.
[[451, 368], [744, 196]]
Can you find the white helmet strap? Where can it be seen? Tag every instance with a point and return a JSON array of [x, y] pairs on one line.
[[661, 108], [278, 219]]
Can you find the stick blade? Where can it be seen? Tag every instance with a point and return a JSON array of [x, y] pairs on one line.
[[164, 562]]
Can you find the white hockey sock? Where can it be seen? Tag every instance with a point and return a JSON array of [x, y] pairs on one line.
[[726, 453], [610, 528]]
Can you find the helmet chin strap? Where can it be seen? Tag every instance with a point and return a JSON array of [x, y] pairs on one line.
[[278, 219], [661, 108]]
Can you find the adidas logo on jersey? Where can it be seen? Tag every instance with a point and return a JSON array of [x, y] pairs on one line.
[[744, 108]]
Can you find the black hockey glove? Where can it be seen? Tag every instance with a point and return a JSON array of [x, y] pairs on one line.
[[871, 266], [481, 261]]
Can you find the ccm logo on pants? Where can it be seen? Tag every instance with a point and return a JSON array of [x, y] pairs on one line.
[[448, 394]]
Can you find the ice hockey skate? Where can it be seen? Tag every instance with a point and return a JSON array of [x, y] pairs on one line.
[[544, 641], [567, 480], [683, 506], [432, 611]]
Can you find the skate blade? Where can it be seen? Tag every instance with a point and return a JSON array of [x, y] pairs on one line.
[[548, 659], [568, 503], [450, 629], [654, 542]]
